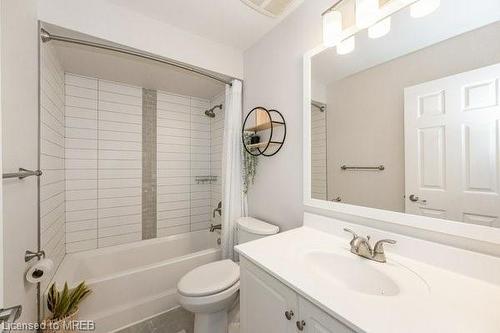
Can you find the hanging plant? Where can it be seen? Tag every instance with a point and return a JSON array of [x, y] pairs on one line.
[[249, 165]]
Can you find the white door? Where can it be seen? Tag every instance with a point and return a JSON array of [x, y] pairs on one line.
[[452, 147], [313, 320], [266, 305], [19, 98]]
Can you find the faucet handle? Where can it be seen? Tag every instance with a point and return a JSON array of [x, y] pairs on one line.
[[379, 246], [354, 235]]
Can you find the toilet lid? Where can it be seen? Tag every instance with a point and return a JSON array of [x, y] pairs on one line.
[[209, 279]]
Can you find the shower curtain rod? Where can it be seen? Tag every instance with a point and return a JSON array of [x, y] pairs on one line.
[[47, 37]]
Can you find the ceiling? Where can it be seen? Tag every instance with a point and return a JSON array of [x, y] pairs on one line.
[[453, 18], [229, 22]]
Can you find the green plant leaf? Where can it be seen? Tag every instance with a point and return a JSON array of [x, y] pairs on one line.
[[64, 303]]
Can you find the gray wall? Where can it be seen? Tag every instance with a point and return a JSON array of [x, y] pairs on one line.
[[366, 114], [273, 79]]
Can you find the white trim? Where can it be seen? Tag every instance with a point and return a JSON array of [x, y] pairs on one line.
[[489, 236]]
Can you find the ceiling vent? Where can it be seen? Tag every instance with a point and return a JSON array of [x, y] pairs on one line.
[[273, 8]]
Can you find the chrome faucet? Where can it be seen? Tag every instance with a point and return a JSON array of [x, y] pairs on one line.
[[218, 209], [360, 246]]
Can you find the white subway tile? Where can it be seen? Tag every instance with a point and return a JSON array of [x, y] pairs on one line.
[[81, 215], [120, 88], [122, 108], [80, 92], [81, 246], [83, 235], [119, 220], [117, 240], [120, 192], [163, 232], [121, 99], [120, 183], [119, 230], [80, 226], [173, 98], [80, 81], [81, 195]]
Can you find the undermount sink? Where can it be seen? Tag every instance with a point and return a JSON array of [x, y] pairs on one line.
[[356, 273]]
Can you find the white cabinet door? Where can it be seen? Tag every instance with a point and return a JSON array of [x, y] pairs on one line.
[[452, 147], [314, 320], [264, 302]]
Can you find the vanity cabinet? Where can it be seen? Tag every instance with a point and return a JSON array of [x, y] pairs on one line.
[[268, 306]]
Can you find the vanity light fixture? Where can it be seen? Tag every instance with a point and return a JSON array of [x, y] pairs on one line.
[[346, 46], [366, 13], [380, 29], [369, 15], [332, 27], [424, 7]]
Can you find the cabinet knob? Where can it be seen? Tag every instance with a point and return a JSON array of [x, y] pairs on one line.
[[289, 314], [300, 325]]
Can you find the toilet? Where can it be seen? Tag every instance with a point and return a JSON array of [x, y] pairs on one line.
[[209, 291]]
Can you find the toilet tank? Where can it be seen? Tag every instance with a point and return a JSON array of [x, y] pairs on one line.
[[250, 229]]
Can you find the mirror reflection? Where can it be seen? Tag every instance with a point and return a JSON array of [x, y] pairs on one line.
[[409, 122]]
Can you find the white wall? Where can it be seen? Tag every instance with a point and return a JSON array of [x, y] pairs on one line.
[[273, 79], [19, 147], [101, 19]]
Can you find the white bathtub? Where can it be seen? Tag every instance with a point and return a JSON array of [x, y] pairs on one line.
[[132, 282]]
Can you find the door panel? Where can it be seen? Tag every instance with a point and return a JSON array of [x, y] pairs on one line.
[[452, 147], [264, 301]]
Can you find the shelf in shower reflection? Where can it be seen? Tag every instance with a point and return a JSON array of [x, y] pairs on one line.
[[205, 179]]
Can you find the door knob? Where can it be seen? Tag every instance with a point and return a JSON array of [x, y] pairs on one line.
[[415, 198], [300, 325], [289, 314]]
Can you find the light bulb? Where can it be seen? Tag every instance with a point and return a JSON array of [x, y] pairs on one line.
[[424, 7], [346, 46], [380, 29], [332, 28], [366, 12]]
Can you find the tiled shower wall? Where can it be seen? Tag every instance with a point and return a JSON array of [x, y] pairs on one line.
[[52, 155], [183, 152], [319, 186], [104, 160], [103, 163]]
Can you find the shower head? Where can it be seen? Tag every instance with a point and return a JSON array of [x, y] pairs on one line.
[[210, 113]]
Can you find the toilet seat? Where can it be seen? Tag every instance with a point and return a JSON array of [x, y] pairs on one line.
[[210, 279], [211, 303]]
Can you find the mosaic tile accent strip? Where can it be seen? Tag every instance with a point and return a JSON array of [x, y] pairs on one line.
[[149, 188]]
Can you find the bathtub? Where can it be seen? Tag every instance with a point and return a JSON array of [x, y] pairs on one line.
[[132, 282]]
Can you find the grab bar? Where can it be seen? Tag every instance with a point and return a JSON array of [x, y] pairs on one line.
[[23, 173], [380, 168]]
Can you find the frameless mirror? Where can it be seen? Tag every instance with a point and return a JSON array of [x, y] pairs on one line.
[[409, 122]]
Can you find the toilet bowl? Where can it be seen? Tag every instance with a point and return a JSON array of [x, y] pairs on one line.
[[210, 291]]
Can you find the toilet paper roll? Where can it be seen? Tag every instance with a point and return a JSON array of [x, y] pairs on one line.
[[39, 271]]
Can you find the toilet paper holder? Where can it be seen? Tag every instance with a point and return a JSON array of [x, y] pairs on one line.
[[28, 255]]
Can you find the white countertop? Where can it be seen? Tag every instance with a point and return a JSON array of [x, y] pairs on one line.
[[445, 302]]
